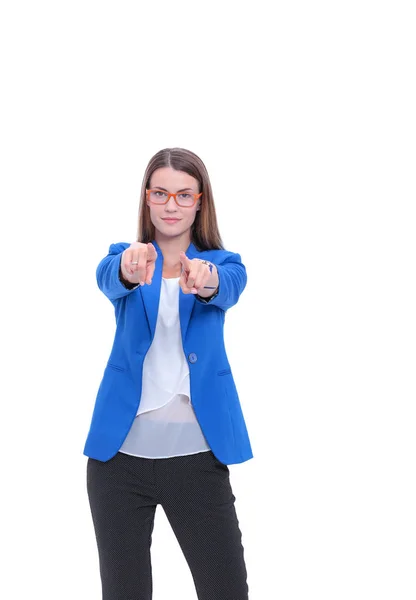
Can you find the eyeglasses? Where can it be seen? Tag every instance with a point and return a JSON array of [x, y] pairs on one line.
[[183, 199]]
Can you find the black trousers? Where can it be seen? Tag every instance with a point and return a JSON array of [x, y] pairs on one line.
[[196, 495]]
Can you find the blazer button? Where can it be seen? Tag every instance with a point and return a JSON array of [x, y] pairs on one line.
[[192, 357]]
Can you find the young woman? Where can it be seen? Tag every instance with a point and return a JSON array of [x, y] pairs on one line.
[[167, 418]]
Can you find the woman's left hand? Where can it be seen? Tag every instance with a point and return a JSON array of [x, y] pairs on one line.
[[195, 274]]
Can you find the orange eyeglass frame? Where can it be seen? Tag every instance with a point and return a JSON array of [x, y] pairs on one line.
[[196, 196]]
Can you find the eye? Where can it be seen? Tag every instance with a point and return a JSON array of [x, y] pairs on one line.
[[159, 194], [185, 196]]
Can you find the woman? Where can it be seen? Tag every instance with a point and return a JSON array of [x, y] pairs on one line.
[[167, 419]]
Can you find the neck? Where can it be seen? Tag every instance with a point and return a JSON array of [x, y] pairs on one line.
[[171, 247]]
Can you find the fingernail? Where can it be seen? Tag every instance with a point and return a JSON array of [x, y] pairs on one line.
[[142, 283]]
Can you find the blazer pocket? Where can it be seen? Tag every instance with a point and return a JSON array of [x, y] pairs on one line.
[[115, 367], [224, 372]]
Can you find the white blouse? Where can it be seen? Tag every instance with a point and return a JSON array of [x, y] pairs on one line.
[[165, 424]]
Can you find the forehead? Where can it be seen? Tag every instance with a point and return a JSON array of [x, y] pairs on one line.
[[173, 180]]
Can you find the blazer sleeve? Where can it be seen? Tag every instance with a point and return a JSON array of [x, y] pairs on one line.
[[107, 273], [232, 281]]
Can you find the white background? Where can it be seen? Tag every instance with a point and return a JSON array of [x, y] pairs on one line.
[[304, 114]]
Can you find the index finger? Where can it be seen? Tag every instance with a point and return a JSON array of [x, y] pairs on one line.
[[151, 252], [150, 269], [186, 263]]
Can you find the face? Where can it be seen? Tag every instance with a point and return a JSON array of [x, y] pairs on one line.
[[171, 220]]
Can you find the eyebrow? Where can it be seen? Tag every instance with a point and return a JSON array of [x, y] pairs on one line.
[[165, 190]]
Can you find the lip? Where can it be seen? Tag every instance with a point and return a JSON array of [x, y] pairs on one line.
[[172, 220]]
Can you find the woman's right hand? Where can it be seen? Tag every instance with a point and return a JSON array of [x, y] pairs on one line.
[[145, 255]]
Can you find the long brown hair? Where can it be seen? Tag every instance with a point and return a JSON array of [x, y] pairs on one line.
[[204, 233]]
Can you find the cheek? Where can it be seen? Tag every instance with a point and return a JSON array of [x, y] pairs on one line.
[[191, 216], [155, 212]]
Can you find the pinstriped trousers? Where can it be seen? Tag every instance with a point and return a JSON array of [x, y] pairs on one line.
[[196, 495]]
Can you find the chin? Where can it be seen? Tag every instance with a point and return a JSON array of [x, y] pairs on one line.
[[169, 231]]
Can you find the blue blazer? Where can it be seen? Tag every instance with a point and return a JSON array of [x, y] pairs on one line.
[[213, 392]]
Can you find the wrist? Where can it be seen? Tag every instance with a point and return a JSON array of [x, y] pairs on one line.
[[210, 288]]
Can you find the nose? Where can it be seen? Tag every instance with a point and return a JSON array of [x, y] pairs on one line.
[[170, 205]]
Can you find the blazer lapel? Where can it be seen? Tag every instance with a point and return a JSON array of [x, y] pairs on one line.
[[151, 293], [186, 304], [186, 301]]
